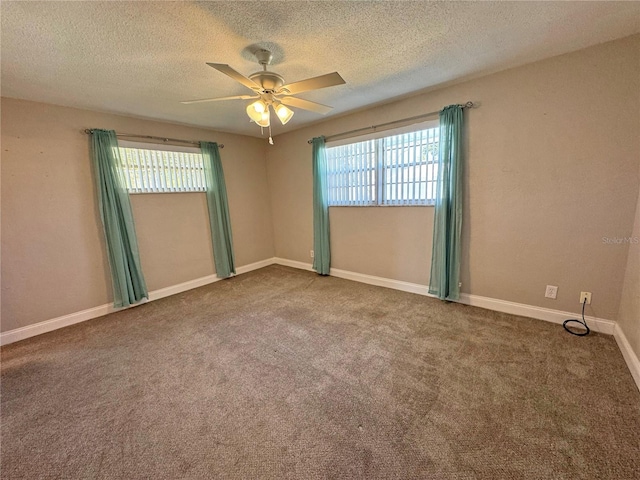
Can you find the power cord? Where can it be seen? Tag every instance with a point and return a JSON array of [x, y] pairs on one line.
[[580, 332]]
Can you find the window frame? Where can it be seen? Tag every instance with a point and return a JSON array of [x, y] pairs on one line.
[[381, 168], [189, 182]]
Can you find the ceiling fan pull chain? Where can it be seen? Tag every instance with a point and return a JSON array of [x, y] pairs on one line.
[[270, 139]]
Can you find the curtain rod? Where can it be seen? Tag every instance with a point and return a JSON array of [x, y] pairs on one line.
[[151, 137], [402, 120]]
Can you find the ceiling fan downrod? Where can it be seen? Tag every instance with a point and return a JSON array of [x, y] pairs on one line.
[[264, 58]]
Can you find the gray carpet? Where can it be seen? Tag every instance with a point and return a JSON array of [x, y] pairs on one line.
[[281, 373]]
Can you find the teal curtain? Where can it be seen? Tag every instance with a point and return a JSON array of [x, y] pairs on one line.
[[117, 220], [219, 219], [445, 258], [322, 253]]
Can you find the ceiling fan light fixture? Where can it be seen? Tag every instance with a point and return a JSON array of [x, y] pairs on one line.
[[265, 119], [256, 111], [283, 113], [259, 106]]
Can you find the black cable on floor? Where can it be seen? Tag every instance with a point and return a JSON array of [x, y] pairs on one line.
[[579, 333]]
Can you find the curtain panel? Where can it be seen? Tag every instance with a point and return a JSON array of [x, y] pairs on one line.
[[218, 205], [322, 253], [447, 229], [128, 282]]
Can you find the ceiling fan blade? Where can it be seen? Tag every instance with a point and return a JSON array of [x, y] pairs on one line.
[[323, 81], [306, 105], [236, 97], [238, 77]]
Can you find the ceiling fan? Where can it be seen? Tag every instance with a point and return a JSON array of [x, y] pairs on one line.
[[270, 91]]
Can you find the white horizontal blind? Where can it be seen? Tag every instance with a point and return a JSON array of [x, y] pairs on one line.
[[159, 171], [393, 170], [352, 174], [410, 168]]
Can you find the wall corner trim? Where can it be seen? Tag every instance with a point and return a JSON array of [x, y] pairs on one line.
[[22, 333], [629, 355]]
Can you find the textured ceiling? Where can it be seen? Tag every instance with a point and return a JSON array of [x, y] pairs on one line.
[[143, 58]]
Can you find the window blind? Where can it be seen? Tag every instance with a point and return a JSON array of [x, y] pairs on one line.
[[410, 168], [352, 174], [160, 171], [393, 170]]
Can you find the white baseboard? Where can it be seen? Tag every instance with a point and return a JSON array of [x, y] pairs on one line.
[[21, 333], [293, 263], [360, 277], [629, 355], [555, 316], [381, 282], [255, 266], [84, 315], [179, 288], [547, 314]]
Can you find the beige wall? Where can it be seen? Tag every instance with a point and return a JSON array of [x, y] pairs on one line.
[[394, 241], [629, 315], [173, 237], [53, 257], [552, 167]]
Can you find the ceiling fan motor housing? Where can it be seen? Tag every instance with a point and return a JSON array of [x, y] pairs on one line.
[[269, 81]]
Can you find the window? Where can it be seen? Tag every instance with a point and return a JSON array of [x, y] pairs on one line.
[[157, 170], [394, 170]]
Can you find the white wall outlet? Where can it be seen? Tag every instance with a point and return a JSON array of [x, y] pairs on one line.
[[311, 253], [587, 296], [551, 291]]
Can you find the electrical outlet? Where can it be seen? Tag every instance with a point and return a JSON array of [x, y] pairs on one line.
[[551, 291], [587, 296], [311, 253]]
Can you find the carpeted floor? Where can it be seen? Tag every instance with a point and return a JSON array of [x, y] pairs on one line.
[[280, 373]]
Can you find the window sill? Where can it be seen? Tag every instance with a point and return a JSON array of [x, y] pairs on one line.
[[163, 193], [381, 206]]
